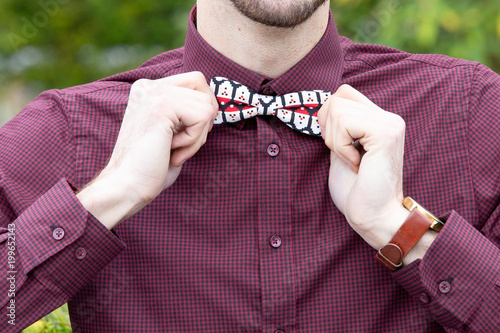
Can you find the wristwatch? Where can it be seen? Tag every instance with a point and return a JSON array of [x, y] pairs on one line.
[[418, 222]]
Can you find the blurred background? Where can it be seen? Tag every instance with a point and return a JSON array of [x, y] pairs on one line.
[[48, 44], [59, 43]]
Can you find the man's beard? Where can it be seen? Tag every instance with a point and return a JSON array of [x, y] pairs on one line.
[[282, 14]]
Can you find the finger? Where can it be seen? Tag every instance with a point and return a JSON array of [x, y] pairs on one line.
[[189, 141], [347, 92], [188, 108], [194, 81], [183, 153], [195, 119], [336, 108], [203, 109], [348, 128], [323, 116], [332, 110], [190, 80], [192, 117], [329, 130], [189, 136]]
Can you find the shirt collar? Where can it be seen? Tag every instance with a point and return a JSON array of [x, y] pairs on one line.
[[321, 68]]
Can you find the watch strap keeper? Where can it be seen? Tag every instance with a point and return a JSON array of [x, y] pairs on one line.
[[414, 227]]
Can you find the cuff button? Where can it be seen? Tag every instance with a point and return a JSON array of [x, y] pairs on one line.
[[80, 253], [444, 287], [58, 233], [424, 298]]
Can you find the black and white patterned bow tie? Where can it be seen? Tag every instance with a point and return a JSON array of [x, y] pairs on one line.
[[298, 110]]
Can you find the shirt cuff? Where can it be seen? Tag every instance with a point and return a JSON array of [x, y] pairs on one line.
[[458, 272], [59, 239]]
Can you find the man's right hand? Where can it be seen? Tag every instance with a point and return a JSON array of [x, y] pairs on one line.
[[165, 123]]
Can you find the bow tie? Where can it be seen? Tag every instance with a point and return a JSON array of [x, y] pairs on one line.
[[298, 110]]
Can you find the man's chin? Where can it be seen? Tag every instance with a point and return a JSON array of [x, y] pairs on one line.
[[286, 14]]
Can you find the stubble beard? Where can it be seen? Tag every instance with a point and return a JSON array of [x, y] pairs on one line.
[[275, 13]]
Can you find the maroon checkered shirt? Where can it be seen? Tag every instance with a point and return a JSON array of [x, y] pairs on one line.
[[248, 238]]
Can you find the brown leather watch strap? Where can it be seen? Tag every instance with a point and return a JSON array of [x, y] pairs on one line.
[[414, 227]]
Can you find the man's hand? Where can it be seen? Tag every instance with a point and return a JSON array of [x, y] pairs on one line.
[[165, 123], [367, 145]]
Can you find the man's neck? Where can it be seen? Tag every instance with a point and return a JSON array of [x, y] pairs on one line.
[[269, 51]]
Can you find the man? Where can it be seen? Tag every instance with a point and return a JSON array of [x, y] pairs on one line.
[[178, 224]]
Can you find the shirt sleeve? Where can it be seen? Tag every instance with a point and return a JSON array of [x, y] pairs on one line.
[[458, 280], [50, 245]]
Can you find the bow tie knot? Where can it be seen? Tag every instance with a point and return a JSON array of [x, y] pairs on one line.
[[297, 110]]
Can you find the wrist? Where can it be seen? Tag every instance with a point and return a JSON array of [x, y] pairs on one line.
[[397, 217], [108, 199], [387, 226], [412, 239]]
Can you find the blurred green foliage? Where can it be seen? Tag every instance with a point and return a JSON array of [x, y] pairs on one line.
[[468, 29], [59, 43], [56, 322]]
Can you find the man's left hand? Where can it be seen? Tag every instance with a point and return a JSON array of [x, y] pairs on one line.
[[365, 181]]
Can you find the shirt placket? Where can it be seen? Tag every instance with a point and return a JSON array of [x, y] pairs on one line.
[[275, 230]]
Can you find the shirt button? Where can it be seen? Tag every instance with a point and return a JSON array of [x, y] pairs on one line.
[[444, 287], [58, 233], [424, 298], [275, 241], [80, 253], [273, 150], [267, 91]]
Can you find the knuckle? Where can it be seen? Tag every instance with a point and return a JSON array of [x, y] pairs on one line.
[[138, 91], [191, 139], [140, 84], [198, 76], [395, 131], [335, 105], [205, 115], [336, 146], [344, 88], [398, 122], [342, 121], [206, 99], [207, 112], [215, 111]]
